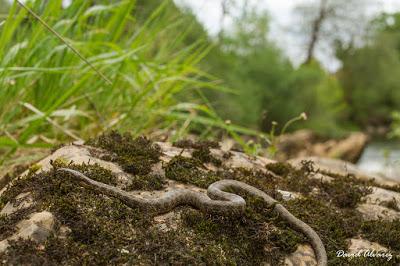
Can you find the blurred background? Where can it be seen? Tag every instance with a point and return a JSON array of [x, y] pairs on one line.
[[249, 70]]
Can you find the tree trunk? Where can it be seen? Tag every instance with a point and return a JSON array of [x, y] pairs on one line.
[[315, 33]]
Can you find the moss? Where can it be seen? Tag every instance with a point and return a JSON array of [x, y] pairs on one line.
[[94, 171], [189, 171], [13, 173], [344, 191], [279, 168], [204, 154], [8, 222], [201, 150], [187, 143], [386, 233], [333, 225], [147, 182], [249, 240], [105, 231], [135, 155]]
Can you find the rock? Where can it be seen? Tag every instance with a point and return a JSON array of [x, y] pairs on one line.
[[375, 212], [359, 245], [64, 231], [342, 168], [4, 245], [349, 149], [384, 197], [303, 256], [40, 225], [78, 154], [305, 143], [380, 204], [24, 201], [37, 228], [168, 221], [298, 143], [287, 195]]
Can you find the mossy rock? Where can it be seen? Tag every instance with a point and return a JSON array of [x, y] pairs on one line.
[[95, 229]]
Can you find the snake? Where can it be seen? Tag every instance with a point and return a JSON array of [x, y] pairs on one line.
[[217, 201]]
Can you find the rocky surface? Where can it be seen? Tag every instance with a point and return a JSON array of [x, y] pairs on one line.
[[305, 143], [26, 216], [343, 168]]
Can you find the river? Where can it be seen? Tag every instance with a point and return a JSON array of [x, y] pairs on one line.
[[382, 157]]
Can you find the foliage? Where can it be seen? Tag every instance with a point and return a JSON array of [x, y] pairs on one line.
[[131, 65], [267, 88], [369, 78]]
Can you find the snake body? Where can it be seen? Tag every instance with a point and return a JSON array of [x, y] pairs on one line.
[[216, 201]]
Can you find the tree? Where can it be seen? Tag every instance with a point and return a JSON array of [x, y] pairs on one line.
[[323, 21], [369, 74]]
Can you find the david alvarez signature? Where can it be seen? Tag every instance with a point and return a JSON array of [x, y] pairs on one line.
[[365, 253]]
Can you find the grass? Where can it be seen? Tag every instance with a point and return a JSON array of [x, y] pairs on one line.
[[70, 73]]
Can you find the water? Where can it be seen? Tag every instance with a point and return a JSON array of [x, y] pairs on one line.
[[381, 157]]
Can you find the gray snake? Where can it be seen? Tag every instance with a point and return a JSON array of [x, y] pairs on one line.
[[216, 201]]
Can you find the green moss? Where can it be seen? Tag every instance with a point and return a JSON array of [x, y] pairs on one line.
[[135, 155], [147, 182], [386, 233], [94, 171], [344, 191], [371, 261], [105, 231], [201, 150], [250, 240], [187, 143], [8, 222], [279, 168], [333, 225], [189, 171], [204, 155]]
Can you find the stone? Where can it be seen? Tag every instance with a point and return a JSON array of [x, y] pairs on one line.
[[303, 256], [37, 227], [24, 201], [380, 196], [287, 195], [4, 245], [350, 148], [343, 168], [372, 212], [358, 245], [305, 143]]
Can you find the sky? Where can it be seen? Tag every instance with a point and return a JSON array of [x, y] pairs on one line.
[[280, 11]]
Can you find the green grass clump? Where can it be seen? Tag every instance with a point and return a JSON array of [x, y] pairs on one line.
[[124, 70]]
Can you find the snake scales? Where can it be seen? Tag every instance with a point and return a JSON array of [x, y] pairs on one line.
[[218, 201]]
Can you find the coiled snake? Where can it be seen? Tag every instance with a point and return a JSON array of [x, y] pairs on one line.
[[218, 201]]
